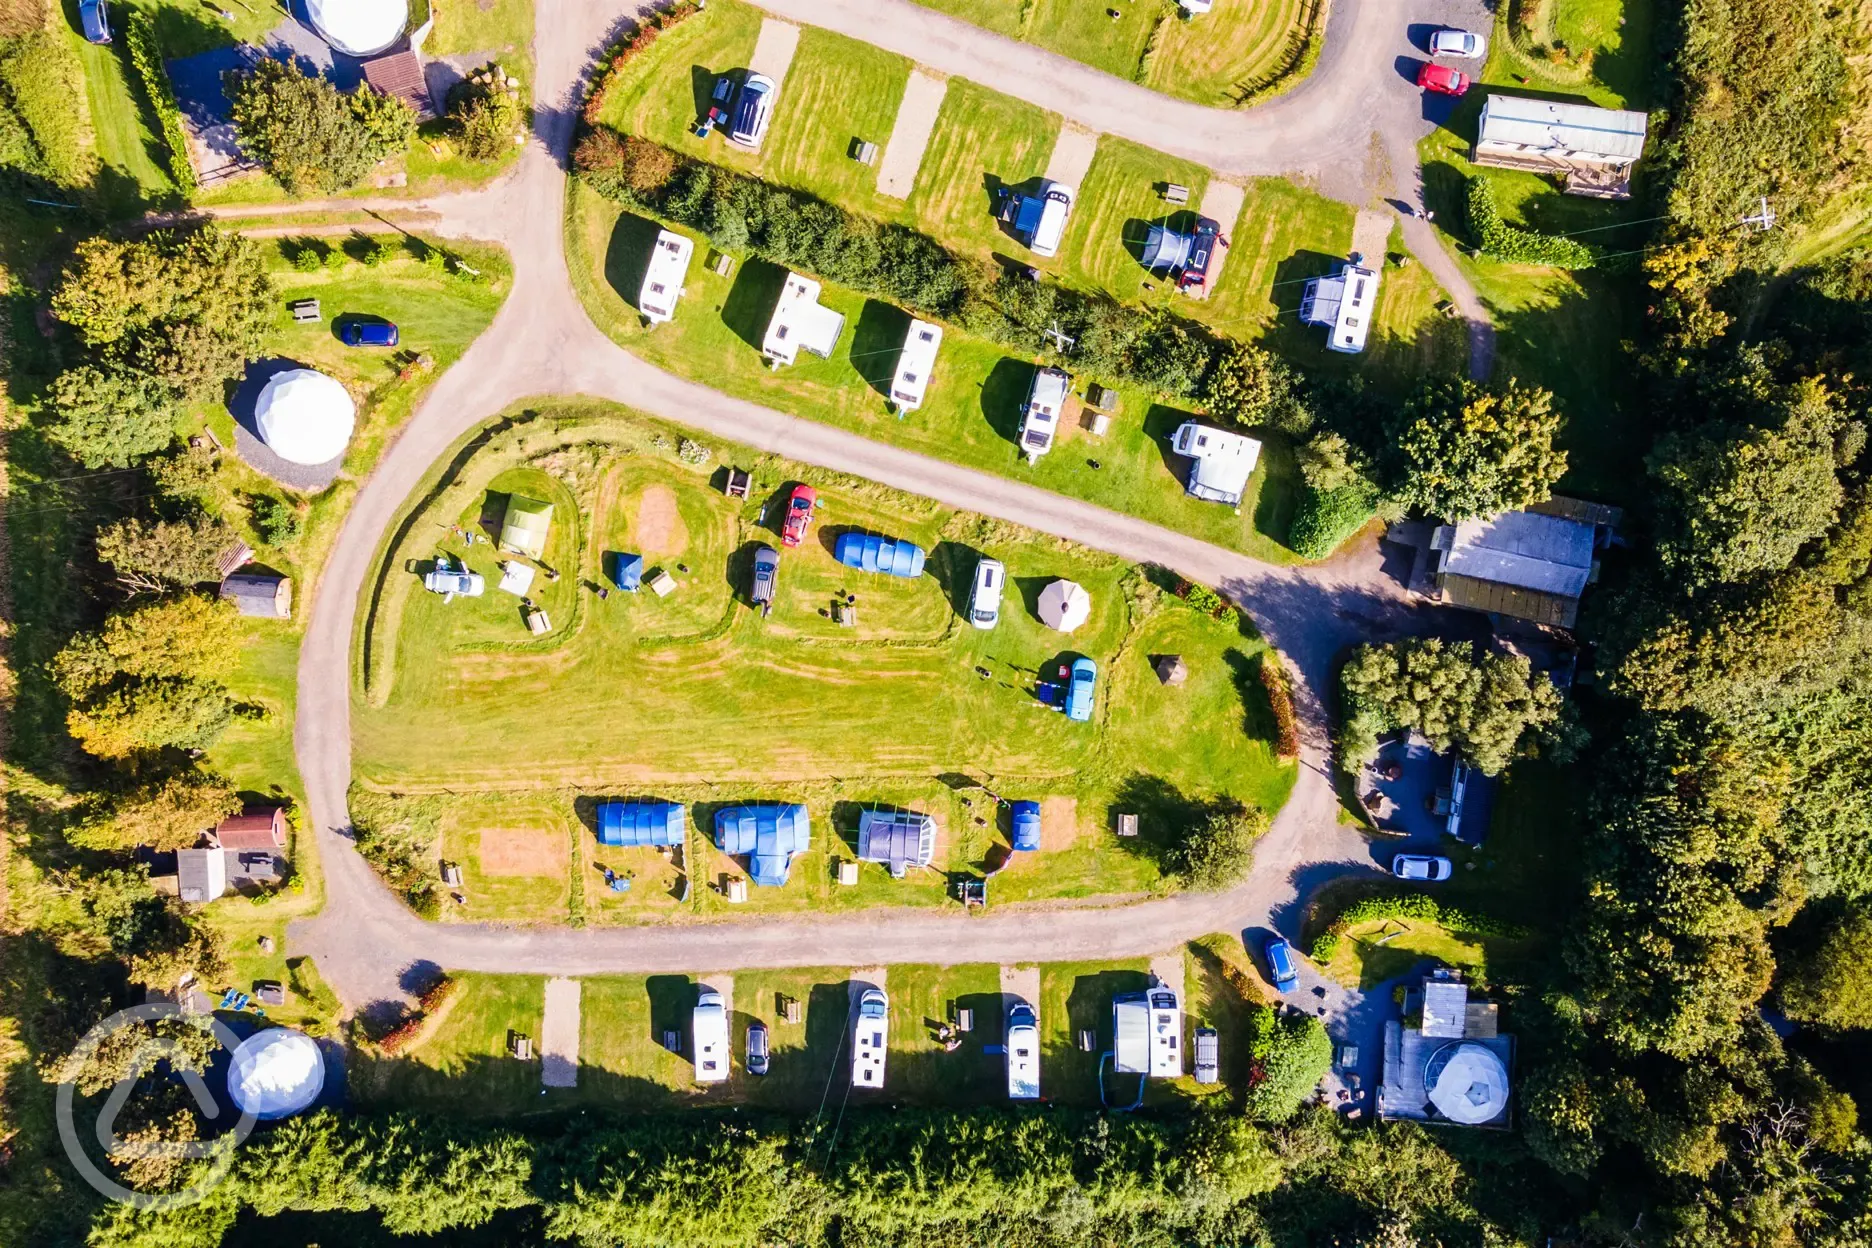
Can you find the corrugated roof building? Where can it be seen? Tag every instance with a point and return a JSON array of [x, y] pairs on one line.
[[1593, 148]]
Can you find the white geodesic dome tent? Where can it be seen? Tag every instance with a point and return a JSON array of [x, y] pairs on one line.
[[276, 1073], [1467, 1084], [359, 27], [305, 417]]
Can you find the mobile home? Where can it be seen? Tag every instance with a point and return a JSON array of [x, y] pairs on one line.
[[869, 1033]]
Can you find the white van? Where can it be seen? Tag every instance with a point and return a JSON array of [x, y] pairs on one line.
[[1055, 207], [709, 1030], [985, 601]]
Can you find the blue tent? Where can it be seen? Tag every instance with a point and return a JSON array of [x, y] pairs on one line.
[[627, 572], [1026, 825], [896, 838], [769, 835], [1166, 249], [871, 553], [634, 825]]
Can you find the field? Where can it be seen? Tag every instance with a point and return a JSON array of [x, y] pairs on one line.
[[463, 1065], [1608, 58], [1221, 58], [696, 698], [1372, 952]]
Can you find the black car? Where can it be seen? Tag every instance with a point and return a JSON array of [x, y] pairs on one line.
[[1203, 242], [766, 573], [757, 1048]]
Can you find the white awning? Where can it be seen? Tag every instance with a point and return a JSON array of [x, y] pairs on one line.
[[359, 27]]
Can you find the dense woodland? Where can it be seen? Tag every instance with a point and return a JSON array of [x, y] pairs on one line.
[[1694, 1053]]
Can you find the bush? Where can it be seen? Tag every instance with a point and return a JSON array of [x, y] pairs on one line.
[[1323, 519], [486, 114], [1414, 906], [146, 58], [309, 135], [1204, 599], [277, 521], [1216, 852], [1495, 237], [1288, 1054], [1280, 702], [42, 82], [308, 256]]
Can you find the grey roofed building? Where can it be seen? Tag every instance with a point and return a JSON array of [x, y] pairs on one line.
[[1453, 1070], [267, 595], [201, 874], [1593, 148], [1521, 564], [1445, 1008], [896, 838]]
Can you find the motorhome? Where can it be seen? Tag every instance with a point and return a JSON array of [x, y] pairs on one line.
[[870, 1031], [709, 1031]]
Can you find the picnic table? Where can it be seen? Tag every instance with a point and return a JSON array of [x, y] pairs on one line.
[[304, 310], [739, 483]]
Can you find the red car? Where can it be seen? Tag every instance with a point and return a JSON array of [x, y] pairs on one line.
[[1442, 79], [798, 515]]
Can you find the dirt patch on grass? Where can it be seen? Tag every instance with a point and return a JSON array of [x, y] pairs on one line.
[[521, 851], [1059, 822], [660, 531]]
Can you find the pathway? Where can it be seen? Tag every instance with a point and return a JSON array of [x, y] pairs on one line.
[[541, 343], [559, 1034], [1072, 156], [910, 134]]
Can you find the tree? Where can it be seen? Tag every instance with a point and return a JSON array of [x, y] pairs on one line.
[[1216, 852], [152, 715], [188, 635], [1483, 706], [486, 114], [1738, 500], [153, 555], [110, 417], [1288, 1054], [307, 134], [1253, 387], [1830, 984], [1462, 450], [168, 814]]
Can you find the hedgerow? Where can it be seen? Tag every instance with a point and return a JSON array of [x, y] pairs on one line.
[[1417, 906], [627, 49], [1280, 702], [146, 58], [1496, 238], [43, 86], [1323, 519]]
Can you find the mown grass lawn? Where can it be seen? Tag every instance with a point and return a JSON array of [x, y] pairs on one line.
[[501, 29], [695, 698], [1617, 35], [463, 1066], [1119, 201], [838, 92], [983, 141], [130, 146], [1372, 952]]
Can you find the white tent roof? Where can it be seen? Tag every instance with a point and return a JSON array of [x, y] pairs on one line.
[[1064, 606], [359, 27], [305, 417], [1467, 1084], [276, 1073]]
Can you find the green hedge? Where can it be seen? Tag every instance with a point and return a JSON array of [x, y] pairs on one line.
[[1418, 906], [1323, 519], [1495, 237], [146, 58], [741, 214], [42, 84]]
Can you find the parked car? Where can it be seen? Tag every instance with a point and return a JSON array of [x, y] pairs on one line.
[[1461, 43], [1039, 219], [1442, 79], [753, 109], [451, 578], [799, 514], [370, 334], [985, 599], [1280, 964], [1025, 817], [1195, 275], [1420, 867], [1208, 1056], [95, 20], [1079, 690], [757, 1048], [1040, 415], [766, 576]]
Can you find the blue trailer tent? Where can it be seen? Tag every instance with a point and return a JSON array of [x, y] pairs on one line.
[[627, 572], [636, 825], [769, 835], [871, 553], [897, 838], [1026, 825], [1166, 250]]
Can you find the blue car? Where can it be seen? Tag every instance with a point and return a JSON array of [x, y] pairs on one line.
[[1280, 962], [1079, 691], [370, 334], [1026, 825], [94, 20]]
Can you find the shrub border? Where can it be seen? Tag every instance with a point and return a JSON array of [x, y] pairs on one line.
[[146, 59]]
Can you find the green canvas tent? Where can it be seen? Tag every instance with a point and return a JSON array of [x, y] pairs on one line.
[[524, 529]]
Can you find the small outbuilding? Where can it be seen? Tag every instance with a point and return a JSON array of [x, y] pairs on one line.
[[899, 839], [255, 828], [525, 526], [640, 825], [768, 834], [265, 595], [1171, 669], [201, 875], [1594, 149], [400, 74]]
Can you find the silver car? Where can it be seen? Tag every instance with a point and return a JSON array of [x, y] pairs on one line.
[[1208, 1058], [451, 578], [1420, 867], [766, 575], [1463, 44]]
